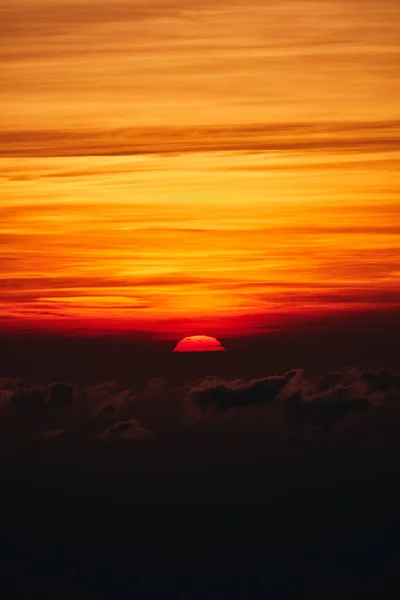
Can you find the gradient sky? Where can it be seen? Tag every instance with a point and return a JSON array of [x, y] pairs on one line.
[[192, 162]]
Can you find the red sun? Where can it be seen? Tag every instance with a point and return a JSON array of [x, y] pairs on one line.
[[199, 343]]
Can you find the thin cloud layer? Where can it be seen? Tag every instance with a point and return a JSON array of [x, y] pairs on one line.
[[323, 137]]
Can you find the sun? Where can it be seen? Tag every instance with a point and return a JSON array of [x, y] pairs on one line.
[[199, 343]]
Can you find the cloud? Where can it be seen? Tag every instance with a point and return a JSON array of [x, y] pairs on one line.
[[344, 137], [294, 400], [382, 381], [324, 409], [8, 386], [31, 398], [50, 434], [127, 430], [106, 401], [56, 395], [225, 395], [60, 395], [105, 412], [346, 376], [288, 404]]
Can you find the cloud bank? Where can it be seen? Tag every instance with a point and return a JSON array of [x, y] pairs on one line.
[[350, 137], [162, 409]]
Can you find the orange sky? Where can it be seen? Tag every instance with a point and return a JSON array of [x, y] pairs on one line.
[[169, 161]]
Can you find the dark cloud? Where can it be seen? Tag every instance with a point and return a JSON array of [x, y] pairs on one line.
[[107, 401], [346, 376], [324, 409], [105, 412], [286, 403], [61, 395], [56, 395], [28, 399], [127, 430], [294, 400], [235, 394], [381, 381], [8, 386], [50, 434]]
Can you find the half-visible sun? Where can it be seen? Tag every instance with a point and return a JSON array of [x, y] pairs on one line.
[[199, 343]]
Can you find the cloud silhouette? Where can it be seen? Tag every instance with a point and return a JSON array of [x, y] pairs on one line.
[[346, 376], [324, 409], [127, 430], [105, 412], [381, 381], [225, 395], [298, 401], [32, 398], [61, 395], [109, 411]]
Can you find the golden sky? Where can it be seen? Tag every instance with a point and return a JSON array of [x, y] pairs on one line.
[[191, 161]]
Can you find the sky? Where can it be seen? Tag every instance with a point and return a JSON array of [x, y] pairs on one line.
[[194, 166]]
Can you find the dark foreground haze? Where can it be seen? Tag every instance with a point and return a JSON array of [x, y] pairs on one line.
[[268, 471]]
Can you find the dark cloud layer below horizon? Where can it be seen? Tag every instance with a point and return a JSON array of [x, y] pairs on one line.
[[142, 494], [289, 404]]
